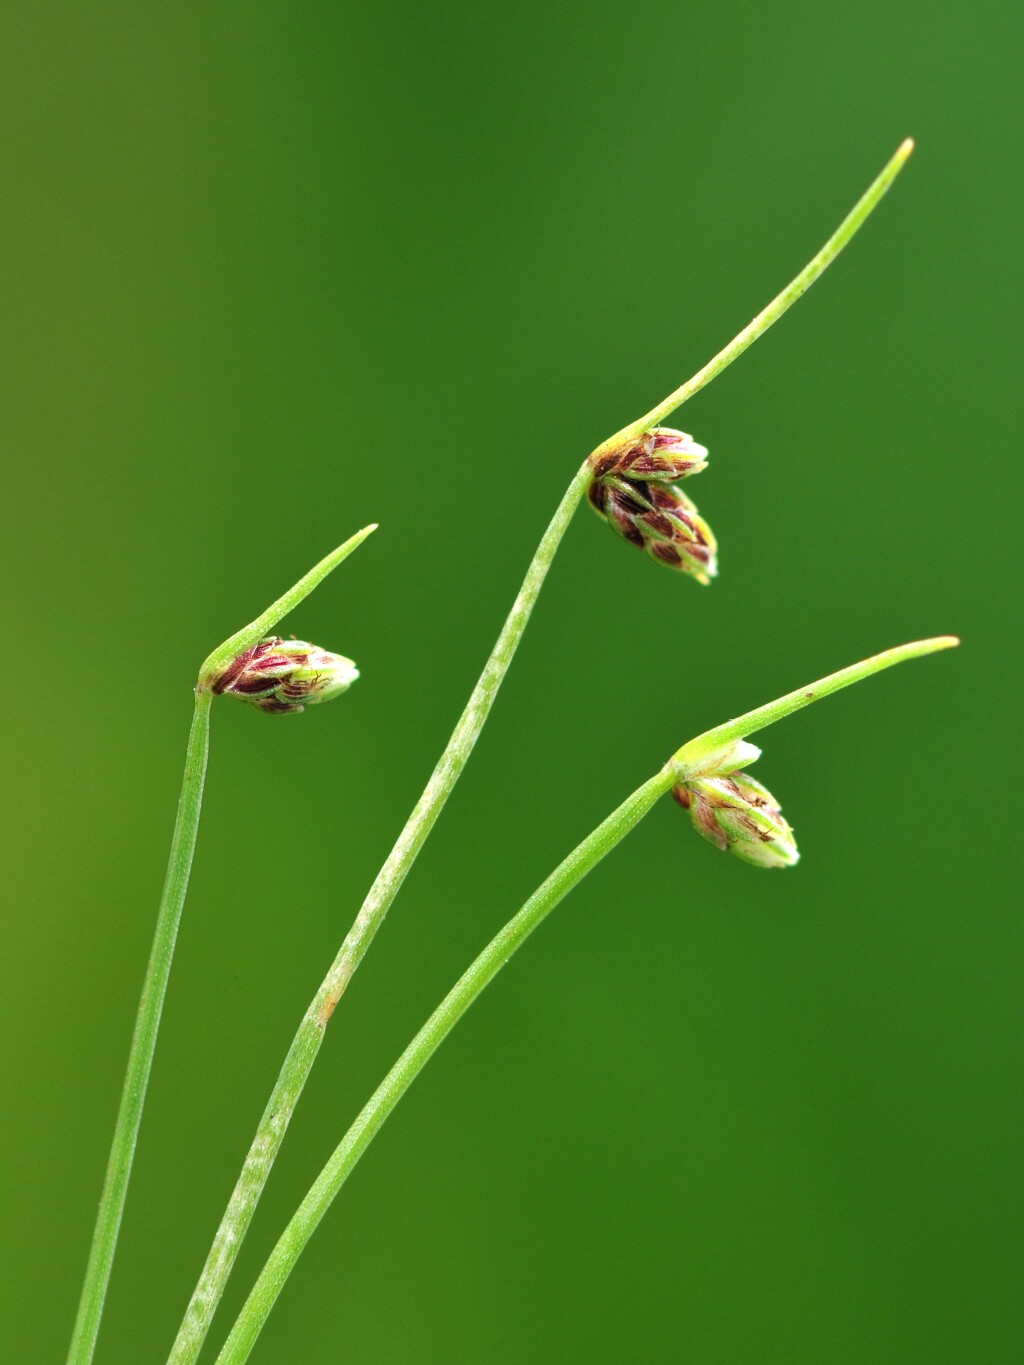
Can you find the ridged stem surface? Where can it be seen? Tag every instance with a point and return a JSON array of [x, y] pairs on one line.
[[301, 1055], [433, 1033], [147, 1024]]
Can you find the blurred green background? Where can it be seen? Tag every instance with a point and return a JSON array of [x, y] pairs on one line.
[[274, 271]]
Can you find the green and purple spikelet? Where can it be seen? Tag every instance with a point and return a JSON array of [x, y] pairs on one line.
[[733, 811], [633, 488], [285, 675]]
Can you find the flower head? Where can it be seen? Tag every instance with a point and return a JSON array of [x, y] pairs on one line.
[[734, 811], [285, 675], [661, 453], [632, 489]]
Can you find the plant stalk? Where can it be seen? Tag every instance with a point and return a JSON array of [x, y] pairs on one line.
[[154, 988], [433, 1033], [782, 302], [763, 716], [288, 601], [147, 1023], [305, 1045], [567, 875]]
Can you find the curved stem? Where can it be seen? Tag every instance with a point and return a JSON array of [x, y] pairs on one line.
[[763, 716], [306, 1043], [433, 1033], [140, 1060], [287, 602], [296, 1235], [812, 270]]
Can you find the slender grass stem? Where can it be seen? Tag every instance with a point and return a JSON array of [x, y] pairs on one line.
[[483, 970], [855, 219], [306, 1043], [147, 1023], [154, 988], [433, 1033], [763, 716], [287, 602]]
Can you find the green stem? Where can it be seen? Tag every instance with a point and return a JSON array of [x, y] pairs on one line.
[[293, 1240], [811, 271], [355, 1142], [154, 988], [306, 1043], [140, 1060], [763, 716], [257, 629]]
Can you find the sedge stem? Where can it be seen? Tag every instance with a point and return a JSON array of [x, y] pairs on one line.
[[855, 219], [483, 970], [147, 1023], [154, 987], [306, 1044], [256, 630], [763, 716], [479, 975]]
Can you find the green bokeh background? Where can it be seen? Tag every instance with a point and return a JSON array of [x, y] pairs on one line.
[[274, 271]]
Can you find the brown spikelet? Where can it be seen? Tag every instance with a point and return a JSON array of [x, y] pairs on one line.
[[631, 488]]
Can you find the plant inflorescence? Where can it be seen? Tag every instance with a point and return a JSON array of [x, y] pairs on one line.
[[632, 480]]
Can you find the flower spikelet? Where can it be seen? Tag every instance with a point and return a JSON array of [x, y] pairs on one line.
[[733, 811], [285, 675], [632, 488]]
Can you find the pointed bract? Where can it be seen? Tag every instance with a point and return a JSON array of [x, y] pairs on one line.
[[719, 762]]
